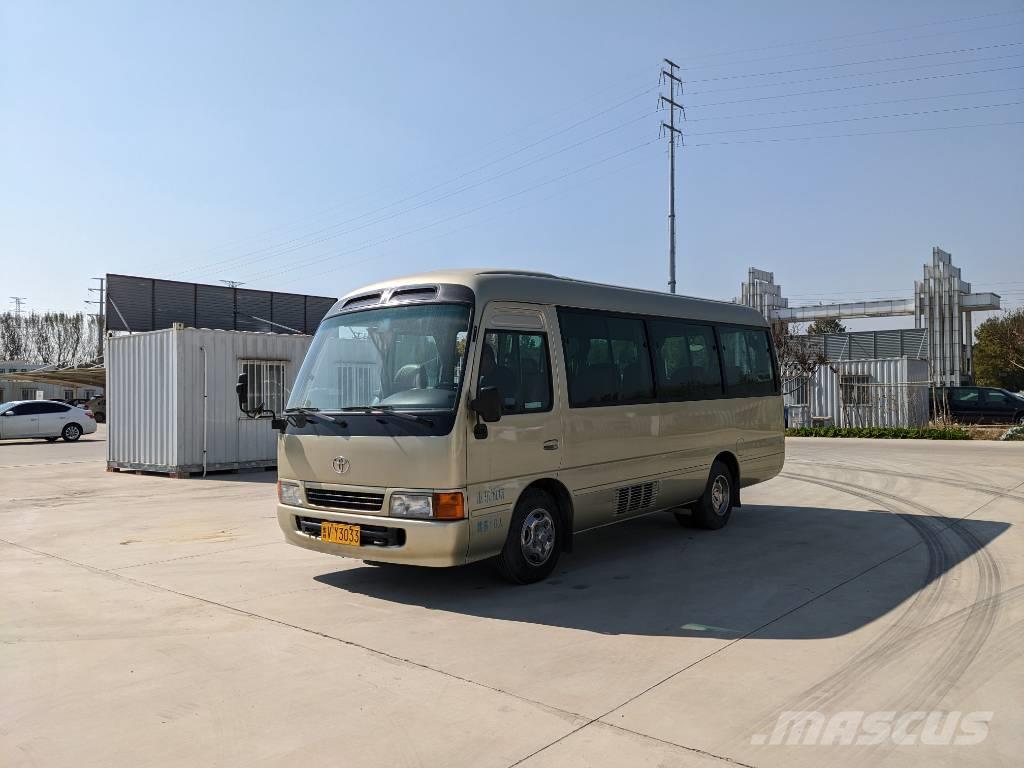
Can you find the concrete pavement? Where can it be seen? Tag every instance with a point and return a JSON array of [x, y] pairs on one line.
[[150, 621]]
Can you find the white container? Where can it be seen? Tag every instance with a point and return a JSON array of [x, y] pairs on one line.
[[891, 392], [156, 416]]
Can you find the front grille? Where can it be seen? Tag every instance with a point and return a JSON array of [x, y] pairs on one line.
[[633, 498], [369, 535], [354, 500]]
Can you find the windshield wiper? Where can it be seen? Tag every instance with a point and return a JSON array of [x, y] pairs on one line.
[[313, 414], [389, 410]]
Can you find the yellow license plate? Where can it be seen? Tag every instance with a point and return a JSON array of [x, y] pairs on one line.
[[340, 533]]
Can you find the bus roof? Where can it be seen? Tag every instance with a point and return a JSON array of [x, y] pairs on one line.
[[491, 284]]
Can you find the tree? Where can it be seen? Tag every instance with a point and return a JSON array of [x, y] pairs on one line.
[[999, 351], [798, 359], [826, 325]]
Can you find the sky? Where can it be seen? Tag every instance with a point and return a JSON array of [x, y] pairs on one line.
[[314, 147]]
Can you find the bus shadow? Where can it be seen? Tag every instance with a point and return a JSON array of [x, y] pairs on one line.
[[828, 571]]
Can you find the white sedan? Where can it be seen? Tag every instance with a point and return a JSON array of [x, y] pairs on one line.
[[45, 419]]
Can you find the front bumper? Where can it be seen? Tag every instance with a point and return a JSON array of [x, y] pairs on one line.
[[436, 543]]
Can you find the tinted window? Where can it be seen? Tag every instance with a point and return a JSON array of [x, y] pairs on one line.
[[747, 362], [685, 360], [606, 359], [995, 397], [517, 364], [52, 408], [965, 396], [26, 409]]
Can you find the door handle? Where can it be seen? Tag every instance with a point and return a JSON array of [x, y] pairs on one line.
[[550, 445]]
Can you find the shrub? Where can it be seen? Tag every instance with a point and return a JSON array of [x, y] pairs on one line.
[[883, 433], [1014, 433]]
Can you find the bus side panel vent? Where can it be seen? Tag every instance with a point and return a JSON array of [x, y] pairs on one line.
[[633, 498]]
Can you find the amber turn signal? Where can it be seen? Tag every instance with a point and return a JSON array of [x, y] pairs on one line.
[[449, 506]]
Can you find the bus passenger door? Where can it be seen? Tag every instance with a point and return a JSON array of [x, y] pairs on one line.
[[512, 354]]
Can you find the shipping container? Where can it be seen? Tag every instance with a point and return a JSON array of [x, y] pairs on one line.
[[891, 392], [171, 403]]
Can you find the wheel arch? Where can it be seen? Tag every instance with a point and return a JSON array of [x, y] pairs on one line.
[[557, 490]]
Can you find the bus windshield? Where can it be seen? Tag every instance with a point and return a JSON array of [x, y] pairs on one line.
[[405, 358]]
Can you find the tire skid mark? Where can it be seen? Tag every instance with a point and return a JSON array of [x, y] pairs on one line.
[[881, 650], [1006, 493], [980, 616]]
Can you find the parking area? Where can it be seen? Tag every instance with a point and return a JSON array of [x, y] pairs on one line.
[[151, 621]]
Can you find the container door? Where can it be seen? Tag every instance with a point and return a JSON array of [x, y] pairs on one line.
[[513, 354]]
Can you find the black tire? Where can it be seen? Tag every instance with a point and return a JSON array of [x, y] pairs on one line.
[[1019, 418], [71, 433], [50, 439], [534, 540], [713, 509]]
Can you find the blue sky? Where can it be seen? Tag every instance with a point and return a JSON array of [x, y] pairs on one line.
[[316, 146]]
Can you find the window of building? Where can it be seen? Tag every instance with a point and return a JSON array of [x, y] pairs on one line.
[[855, 389], [685, 360], [517, 364], [606, 359], [68, 394], [266, 384], [747, 362]]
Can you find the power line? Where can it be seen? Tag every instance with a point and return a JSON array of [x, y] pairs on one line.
[[467, 212], [858, 34], [857, 74], [257, 257], [848, 135], [855, 106], [559, 194], [856, 63], [850, 47], [299, 223], [853, 87], [855, 119]]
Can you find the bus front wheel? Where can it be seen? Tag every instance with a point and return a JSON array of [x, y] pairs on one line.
[[533, 543]]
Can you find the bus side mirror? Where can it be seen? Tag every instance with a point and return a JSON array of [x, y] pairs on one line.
[[242, 390], [487, 404]]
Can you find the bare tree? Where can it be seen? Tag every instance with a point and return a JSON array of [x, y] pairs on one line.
[[12, 337], [800, 357]]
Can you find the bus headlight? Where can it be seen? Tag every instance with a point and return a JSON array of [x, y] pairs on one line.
[[412, 505], [436, 506], [289, 493]]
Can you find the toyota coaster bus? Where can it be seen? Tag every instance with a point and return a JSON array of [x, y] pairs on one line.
[[460, 415]]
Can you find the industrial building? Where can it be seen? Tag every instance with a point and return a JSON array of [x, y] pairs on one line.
[[171, 404], [903, 364]]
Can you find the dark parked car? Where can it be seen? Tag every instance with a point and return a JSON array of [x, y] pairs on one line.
[[981, 405]]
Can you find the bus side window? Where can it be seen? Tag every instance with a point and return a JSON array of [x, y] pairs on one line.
[[517, 364]]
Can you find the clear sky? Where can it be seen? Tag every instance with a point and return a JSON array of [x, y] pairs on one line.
[[317, 146]]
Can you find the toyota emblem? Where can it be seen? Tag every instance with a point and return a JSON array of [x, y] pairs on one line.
[[341, 464]]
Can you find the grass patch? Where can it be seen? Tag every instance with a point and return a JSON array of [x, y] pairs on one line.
[[883, 433]]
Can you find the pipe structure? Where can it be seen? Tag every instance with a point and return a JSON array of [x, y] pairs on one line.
[[205, 396]]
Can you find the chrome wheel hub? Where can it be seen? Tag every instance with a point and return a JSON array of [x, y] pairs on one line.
[[73, 432], [537, 537], [720, 495]]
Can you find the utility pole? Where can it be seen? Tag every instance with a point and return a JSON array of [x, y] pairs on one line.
[[18, 301], [669, 75], [101, 317]]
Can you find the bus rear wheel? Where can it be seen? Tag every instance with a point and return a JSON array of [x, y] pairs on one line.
[[713, 509], [533, 543]]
